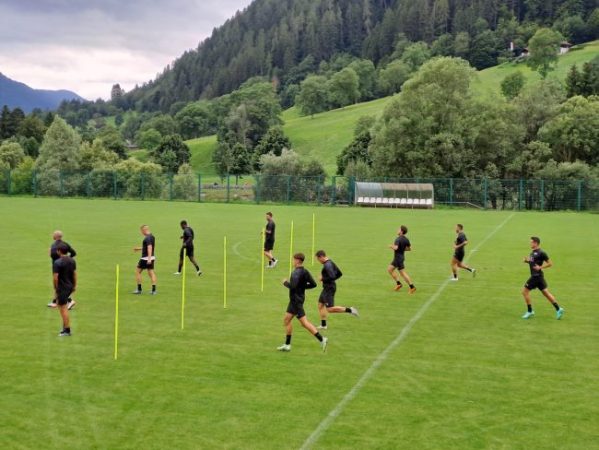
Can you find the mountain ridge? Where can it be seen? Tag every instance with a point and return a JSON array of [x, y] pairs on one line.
[[16, 94]]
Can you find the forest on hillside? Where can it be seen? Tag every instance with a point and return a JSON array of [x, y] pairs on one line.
[[286, 39]]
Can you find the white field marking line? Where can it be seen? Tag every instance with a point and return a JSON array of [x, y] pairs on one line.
[[236, 251], [337, 410]]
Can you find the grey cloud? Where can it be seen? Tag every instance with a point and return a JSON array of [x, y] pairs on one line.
[[141, 35]]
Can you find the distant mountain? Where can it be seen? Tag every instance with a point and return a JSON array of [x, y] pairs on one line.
[[15, 94]]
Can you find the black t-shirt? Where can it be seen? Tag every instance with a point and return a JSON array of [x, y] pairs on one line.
[[270, 231], [330, 273], [54, 253], [537, 258], [299, 281], [460, 240], [65, 268], [402, 243], [148, 240], [188, 237]]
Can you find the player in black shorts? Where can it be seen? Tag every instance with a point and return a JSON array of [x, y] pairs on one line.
[[57, 237], [148, 252], [537, 261], [187, 246], [269, 240], [326, 302], [459, 253], [399, 247], [65, 283], [299, 281]]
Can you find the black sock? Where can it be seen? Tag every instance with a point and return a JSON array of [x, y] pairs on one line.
[[318, 336], [529, 308], [411, 286], [139, 287], [469, 269], [197, 267], [153, 288], [288, 339], [398, 282], [556, 306], [323, 323], [348, 310], [180, 267], [455, 275], [67, 329]]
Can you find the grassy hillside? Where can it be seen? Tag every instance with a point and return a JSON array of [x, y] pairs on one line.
[[325, 135], [488, 82]]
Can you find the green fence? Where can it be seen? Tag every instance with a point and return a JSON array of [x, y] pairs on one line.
[[542, 195]]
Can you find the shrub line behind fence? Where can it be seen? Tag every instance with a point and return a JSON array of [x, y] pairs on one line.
[[541, 195]]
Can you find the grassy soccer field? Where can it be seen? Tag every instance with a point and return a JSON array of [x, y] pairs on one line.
[[453, 366]]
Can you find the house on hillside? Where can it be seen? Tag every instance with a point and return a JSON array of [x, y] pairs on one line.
[[564, 48]]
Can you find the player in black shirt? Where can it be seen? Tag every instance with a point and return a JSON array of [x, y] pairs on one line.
[[537, 261], [187, 246], [459, 253], [65, 283], [148, 256], [399, 247], [299, 281], [326, 302], [57, 236], [269, 240]]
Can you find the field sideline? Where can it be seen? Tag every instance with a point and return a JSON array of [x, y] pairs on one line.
[[467, 374]]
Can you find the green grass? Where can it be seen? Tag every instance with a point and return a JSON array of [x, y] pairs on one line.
[[469, 375], [325, 135], [488, 82]]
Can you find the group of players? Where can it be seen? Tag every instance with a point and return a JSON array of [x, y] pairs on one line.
[[65, 275]]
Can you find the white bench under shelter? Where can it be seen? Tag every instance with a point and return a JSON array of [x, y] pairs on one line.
[[394, 195]]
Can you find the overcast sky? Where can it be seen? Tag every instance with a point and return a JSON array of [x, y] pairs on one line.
[[88, 45]]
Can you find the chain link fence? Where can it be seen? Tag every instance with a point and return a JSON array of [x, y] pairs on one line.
[[541, 195]]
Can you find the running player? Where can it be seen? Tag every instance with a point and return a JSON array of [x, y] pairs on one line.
[[300, 280], [399, 247], [269, 240], [187, 248], [57, 237], [459, 253], [326, 302], [538, 260], [148, 252], [65, 283]]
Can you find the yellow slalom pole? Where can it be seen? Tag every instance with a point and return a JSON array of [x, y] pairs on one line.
[[262, 252], [291, 249], [313, 234], [225, 273], [183, 290], [116, 314]]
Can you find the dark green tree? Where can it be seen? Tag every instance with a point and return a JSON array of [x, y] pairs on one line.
[[543, 48], [171, 153]]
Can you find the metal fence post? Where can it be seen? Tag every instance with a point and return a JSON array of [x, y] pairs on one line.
[[318, 189], [170, 187], [334, 191], [61, 181], [579, 196], [257, 177], [520, 193], [143, 186], [228, 187], [34, 182], [8, 181], [88, 187], [114, 187], [288, 188], [485, 192], [451, 191], [199, 187], [542, 195]]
